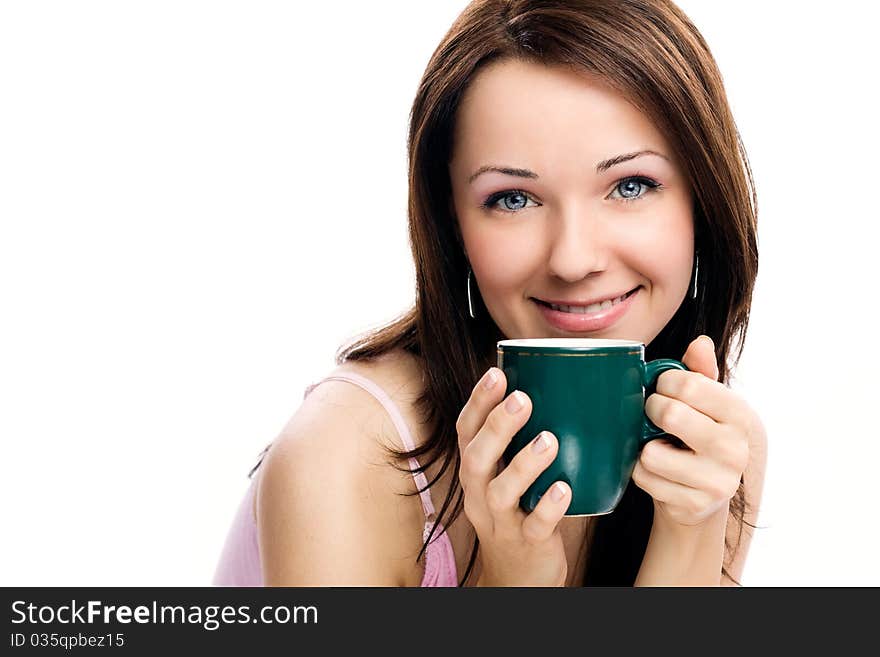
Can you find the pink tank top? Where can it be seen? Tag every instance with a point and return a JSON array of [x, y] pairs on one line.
[[239, 563]]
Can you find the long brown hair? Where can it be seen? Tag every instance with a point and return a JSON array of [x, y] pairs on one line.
[[651, 53]]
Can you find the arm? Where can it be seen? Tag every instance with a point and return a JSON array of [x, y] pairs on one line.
[[692, 556], [326, 514], [753, 479]]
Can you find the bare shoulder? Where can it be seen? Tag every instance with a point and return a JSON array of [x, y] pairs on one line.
[[398, 374], [330, 504]]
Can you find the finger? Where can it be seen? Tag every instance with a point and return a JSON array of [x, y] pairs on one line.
[[484, 397], [700, 357], [675, 417], [690, 469], [713, 399], [540, 524], [664, 490], [504, 491], [479, 461]]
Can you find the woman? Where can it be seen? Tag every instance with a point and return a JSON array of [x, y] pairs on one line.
[[564, 153]]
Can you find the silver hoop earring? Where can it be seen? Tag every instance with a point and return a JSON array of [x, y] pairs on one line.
[[696, 275], [470, 301]]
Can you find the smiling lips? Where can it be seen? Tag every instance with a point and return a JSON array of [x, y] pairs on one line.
[[594, 317], [589, 308]]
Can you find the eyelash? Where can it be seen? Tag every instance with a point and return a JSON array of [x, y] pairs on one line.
[[651, 184]]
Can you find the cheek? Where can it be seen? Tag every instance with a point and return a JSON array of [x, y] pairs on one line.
[[665, 251], [666, 261], [501, 259]]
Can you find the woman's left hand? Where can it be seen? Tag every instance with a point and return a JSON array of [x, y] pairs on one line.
[[692, 483]]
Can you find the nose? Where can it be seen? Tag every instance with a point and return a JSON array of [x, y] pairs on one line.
[[577, 246]]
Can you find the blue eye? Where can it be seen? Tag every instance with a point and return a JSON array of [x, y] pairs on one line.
[[514, 200], [511, 197], [634, 185]]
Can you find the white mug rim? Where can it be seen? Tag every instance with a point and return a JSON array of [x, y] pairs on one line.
[[568, 343]]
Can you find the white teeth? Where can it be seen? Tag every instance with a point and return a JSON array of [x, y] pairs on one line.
[[592, 308]]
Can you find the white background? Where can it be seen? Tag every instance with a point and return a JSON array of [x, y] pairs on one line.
[[200, 201]]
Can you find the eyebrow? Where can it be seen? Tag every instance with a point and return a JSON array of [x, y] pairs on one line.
[[604, 165]]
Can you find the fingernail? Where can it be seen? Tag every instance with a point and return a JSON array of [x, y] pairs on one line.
[[541, 443], [557, 492], [514, 402], [490, 379]]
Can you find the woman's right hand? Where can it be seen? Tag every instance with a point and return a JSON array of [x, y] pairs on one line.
[[517, 549]]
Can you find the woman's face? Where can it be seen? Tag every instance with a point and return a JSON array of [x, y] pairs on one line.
[[558, 226]]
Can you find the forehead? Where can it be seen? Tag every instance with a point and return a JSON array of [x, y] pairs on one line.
[[530, 114]]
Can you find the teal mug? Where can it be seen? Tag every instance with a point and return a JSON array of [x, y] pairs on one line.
[[589, 393]]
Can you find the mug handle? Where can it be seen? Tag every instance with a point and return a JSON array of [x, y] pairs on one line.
[[650, 371]]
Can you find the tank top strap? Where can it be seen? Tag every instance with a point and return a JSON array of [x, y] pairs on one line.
[[399, 424]]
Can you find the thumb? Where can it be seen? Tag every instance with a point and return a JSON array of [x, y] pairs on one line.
[[700, 357]]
